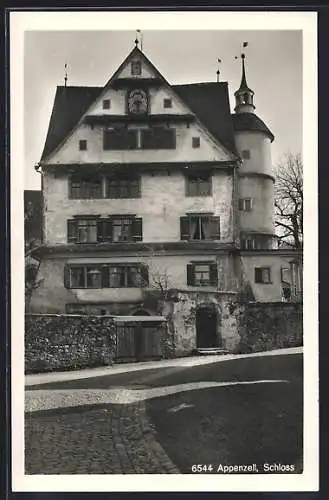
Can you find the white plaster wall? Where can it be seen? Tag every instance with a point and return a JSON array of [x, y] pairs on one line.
[[52, 296], [265, 292], [260, 152], [161, 205], [261, 216], [69, 152]]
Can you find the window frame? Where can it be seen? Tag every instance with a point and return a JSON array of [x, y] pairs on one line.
[[132, 184], [167, 102], [196, 142], [245, 154], [154, 143], [136, 64], [262, 270], [106, 103], [123, 139], [83, 145], [105, 275], [243, 202], [190, 185], [212, 271], [85, 182]]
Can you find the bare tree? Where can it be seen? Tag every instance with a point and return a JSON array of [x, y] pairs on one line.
[[289, 201]]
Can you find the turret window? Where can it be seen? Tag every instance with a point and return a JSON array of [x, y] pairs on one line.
[[245, 204], [246, 154]]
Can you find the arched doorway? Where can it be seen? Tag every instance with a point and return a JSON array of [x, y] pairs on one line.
[[206, 326]]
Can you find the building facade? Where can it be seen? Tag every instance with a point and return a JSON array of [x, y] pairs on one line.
[[157, 201]]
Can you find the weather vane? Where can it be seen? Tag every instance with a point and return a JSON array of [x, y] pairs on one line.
[[243, 55], [218, 71]]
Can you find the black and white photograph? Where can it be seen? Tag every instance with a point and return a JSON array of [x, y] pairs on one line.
[[164, 220]]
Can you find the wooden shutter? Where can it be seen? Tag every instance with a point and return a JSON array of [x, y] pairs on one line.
[[72, 231], [105, 277], [213, 274], [145, 276], [67, 276], [214, 228], [241, 204], [258, 275], [137, 229], [190, 275], [104, 230], [184, 228]]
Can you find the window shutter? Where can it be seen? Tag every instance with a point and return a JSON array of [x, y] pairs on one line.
[[104, 230], [105, 277], [241, 204], [145, 276], [190, 275], [67, 276], [213, 274], [214, 228], [137, 228], [184, 228], [258, 275], [71, 231]]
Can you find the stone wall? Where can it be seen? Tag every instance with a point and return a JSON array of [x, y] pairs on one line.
[[68, 342], [266, 326]]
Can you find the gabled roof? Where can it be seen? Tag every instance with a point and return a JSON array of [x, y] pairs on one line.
[[208, 101]]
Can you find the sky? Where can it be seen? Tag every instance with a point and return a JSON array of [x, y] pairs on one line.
[[273, 69]]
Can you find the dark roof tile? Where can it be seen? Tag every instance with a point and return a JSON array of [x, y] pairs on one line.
[[208, 101], [250, 122]]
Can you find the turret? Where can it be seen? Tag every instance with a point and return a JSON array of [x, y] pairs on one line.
[[256, 176]]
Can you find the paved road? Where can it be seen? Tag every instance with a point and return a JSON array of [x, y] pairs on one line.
[[244, 412]]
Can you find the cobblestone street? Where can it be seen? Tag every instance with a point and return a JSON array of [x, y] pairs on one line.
[[99, 439]]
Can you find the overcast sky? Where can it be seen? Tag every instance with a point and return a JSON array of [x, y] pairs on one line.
[[273, 66]]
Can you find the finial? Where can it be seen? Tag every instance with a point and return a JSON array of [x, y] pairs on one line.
[[65, 77], [218, 72], [136, 42], [141, 38]]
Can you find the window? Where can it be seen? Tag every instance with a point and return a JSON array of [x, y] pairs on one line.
[[167, 103], [245, 154], [106, 104], [245, 204], [248, 243], [136, 68], [200, 227], [82, 145], [85, 187], [111, 229], [262, 275], [195, 142], [158, 138], [123, 187], [106, 276], [119, 139], [202, 274], [82, 231], [285, 275], [199, 185], [257, 242]]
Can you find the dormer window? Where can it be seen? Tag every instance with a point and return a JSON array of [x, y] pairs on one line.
[[136, 68]]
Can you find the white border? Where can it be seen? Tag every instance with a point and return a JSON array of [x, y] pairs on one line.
[[307, 22]]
